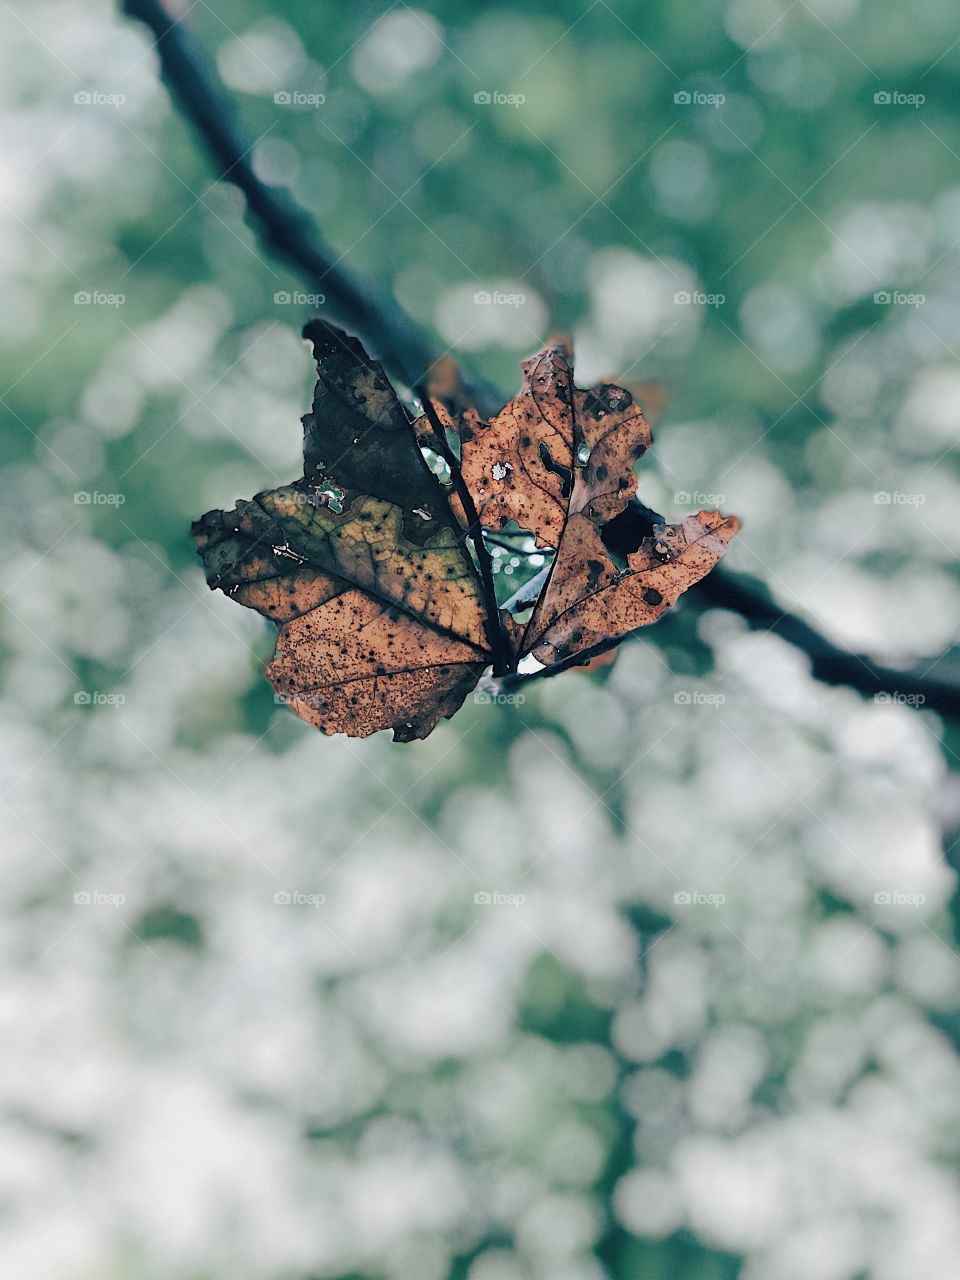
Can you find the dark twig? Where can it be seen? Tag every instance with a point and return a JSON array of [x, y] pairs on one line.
[[289, 230], [501, 540], [499, 644], [526, 597], [398, 342], [829, 662]]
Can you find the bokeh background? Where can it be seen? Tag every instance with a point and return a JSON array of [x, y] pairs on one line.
[[256, 1024]]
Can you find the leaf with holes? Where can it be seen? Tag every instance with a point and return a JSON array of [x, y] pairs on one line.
[[375, 567], [559, 461]]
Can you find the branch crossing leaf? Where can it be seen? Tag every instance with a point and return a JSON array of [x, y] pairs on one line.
[[372, 575]]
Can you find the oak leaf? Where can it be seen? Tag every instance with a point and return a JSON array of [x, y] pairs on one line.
[[374, 567]]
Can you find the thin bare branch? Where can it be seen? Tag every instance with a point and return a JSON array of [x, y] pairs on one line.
[[366, 308], [404, 349]]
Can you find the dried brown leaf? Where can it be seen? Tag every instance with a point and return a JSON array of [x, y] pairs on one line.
[[364, 565], [616, 601], [361, 564]]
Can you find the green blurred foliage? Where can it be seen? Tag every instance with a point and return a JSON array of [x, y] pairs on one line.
[[798, 397]]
